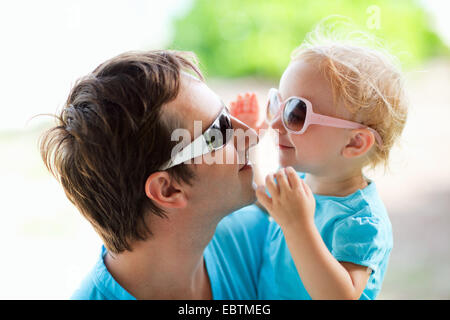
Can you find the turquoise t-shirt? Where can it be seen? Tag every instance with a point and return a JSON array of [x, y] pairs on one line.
[[355, 228], [233, 259]]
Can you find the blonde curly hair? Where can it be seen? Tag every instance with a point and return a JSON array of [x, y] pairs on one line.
[[365, 78]]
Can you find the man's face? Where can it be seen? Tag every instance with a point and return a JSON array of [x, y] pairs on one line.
[[223, 185]]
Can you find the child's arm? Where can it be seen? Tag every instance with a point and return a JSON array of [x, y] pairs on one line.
[[292, 205]]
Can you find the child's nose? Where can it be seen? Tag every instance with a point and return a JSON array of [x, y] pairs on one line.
[[277, 125]]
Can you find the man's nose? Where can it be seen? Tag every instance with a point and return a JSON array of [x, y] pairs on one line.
[[244, 132]]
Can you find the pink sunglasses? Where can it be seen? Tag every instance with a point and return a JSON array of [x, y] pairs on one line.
[[297, 114]]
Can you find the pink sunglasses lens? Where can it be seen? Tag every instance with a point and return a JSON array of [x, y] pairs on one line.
[[294, 114]]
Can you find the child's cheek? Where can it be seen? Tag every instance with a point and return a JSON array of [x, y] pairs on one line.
[[314, 147]]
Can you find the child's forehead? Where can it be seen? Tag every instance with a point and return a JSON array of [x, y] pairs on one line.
[[304, 79]]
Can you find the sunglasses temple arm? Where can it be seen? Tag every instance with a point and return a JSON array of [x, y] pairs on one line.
[[377, 136], [195, 149], [340, 123]]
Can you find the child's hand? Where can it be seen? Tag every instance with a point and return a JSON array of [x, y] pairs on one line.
[[246, 109], [292, 203]]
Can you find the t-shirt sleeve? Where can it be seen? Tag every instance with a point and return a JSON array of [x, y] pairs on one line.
[[362, 239]]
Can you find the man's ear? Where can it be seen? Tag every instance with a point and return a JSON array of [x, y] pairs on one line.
[[164, 191], [361, 141]]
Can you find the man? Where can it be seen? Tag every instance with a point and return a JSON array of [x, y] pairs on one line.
[[113, 153]]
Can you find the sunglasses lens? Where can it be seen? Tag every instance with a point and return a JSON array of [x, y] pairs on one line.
[[273, 105], [294, 114], [225, 125], [217, 136]]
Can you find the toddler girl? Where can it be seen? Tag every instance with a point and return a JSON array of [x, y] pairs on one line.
[[339, 109]]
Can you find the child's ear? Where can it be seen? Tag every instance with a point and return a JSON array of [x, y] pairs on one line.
[[164, 191], [361, 141]]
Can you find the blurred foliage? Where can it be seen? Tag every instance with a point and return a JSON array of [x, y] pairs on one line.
[[253, 37]]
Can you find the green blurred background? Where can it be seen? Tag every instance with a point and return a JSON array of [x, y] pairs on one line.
[[239, 38], [242, 46]]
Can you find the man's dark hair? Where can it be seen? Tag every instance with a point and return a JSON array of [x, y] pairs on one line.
[[111, 135]]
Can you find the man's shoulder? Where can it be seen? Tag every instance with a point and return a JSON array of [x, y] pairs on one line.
[[99, 284], [88, 289]]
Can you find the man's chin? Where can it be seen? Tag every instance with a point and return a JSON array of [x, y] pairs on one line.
[[246, 197], [249, 196]]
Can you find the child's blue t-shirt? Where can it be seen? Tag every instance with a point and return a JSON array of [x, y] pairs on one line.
[[355, 228], [233, 259]]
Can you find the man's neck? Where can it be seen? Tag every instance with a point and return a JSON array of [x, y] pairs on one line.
[[169, 265], [337, 185]]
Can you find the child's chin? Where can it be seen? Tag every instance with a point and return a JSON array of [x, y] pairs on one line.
[[284, 163], [288, 162]]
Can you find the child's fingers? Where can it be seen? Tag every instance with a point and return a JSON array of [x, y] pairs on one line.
[[293, 178], [254, 103], [271, 186], [247, 102], [233, 107], [307, 189], [304, 187], [240, 101], [263, 198], [282, 180]]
